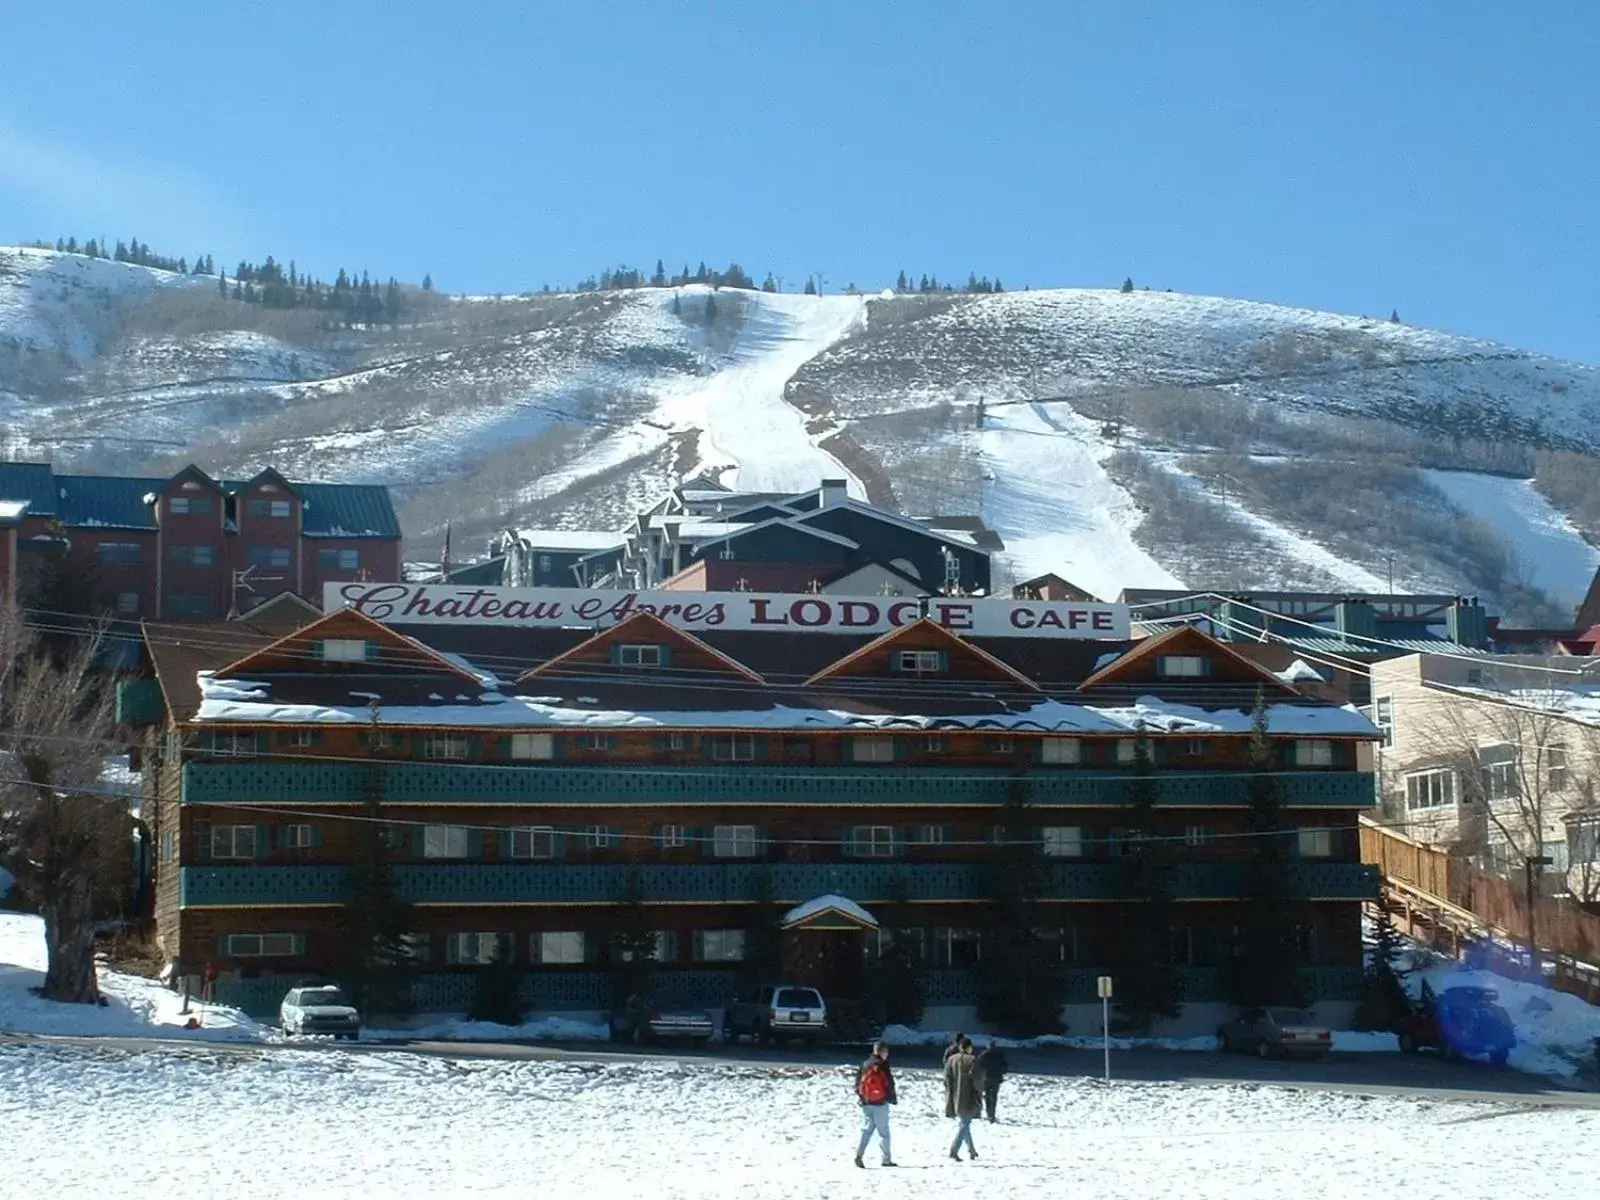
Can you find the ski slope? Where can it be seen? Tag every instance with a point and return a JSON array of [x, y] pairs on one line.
[[1547, 546]]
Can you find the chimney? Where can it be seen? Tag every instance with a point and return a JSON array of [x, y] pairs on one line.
[[834, 491]]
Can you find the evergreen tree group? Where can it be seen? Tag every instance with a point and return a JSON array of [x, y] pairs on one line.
[[633, 945], [1383, 992], [928, 284], [895, 982], [1147, 987], [1021, 988]]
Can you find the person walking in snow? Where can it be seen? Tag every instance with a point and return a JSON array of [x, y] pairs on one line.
[[963, 1096], [875, 1092], [992, 1062], [954, 1046]]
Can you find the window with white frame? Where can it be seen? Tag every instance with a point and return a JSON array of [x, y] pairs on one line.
[[338, 560], [234, 841], [733, 841], [263, 945], [666, 946], [930, 835], [932, 743], [921, 662], [719, 945], [1555, 768], [298, 739], [678, 741], [957, 948], [1183, 666], [444, 745], [1196, 835], [998, 745], [298, 837], [1193, 747], [1127, 749], [1060, 750], [269, 508], [1383, 718], [344, 649], [128, 603], [233, 741], [733, 747], [872, 841], [1430, 789], [415, 945], [533, 746], [122, 554], [594, 741], [1499, 771], [600, 837], [538, 842], [1556, 852], [444, 841], [1062, 841], [476, 949], [565, 948], [178, 506], [639, 656], [672, 837], [1313, 753], [1314, 843], [872, 749]]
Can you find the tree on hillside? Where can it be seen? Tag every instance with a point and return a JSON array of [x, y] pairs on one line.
[[900, 284], [658, 277], [1020, 989], [1147, 982], [1127, 285], [811, 287], [710, 314], [1383, 993], [59, 832], [427, 283], [1394, 316], [769, 284]]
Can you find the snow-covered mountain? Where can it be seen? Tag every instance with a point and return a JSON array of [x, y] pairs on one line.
[[1144, 438]]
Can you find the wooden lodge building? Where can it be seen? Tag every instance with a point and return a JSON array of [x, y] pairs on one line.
[[527, 777]]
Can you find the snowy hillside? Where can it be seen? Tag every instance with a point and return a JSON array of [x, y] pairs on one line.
[[1125, 439]]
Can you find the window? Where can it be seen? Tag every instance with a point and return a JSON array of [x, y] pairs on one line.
[[415, 946], [872, 841], [264, 945], [998, 745], [1183, 666], [298, 738], [678, 741], [544, 563], [1556, 852], [929, 835], [639, 656], [233, 741], [533, 746], [1555, 766], [1313, 753], [1192, 747], [1062, 841], [1196, 835], [538, 842], [343, 649], [1383, 718], [956, 948], [1499, 768], [666, 946], [719, 945], [921, 662], [169, 846], [476, 948], [269, 556], [563, 948], [182, 605], [338, 560], [1314, 843], [1430, 789], [733, 841], [600, 837], [233, 841], [122, 554], [178, 506], [198, 555], [128, 603], [1583, 839], [932, 743], [444, 841], [1127, 750], [181, 506], [595, 741], [872, 749], [441, 745], [1061, 750], [733, 747], [279, 509], [672, 837], [298, 837]]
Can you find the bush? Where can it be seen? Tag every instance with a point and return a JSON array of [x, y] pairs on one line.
[[497, 992]]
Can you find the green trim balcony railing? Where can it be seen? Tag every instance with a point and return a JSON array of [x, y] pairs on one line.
[[739, 883], [309, 781]]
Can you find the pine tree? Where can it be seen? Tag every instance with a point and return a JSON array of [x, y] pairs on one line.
[[222, 285], [60, 245], [711, 309], [497, 991], [1020, 991], [1127, 285], [1383, 992], [1264, 969], [659, 277], [427, 282], [1147, 982], [900, 281], [1394, 316], [895, 983], [763, 939], [633, 945], [677, 305], [376, 922], [997, 286], [72, 245], [811, 287], [769, 284]]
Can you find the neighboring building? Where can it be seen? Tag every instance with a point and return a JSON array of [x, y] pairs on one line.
[[705, 537], [190, 548], [529, 775], [1049, 586], [1498, 758]]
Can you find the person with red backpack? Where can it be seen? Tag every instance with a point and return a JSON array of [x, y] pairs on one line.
[[875, 1091]]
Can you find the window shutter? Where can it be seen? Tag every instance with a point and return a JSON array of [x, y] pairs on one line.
[[263, 742], [299, 943], [616, 654], [899, 841], [316, 835], [263, 840], [666, 656], [364, 740], [706, 744], [503, 748], [317, 648], [418, 840], [558, 844], [222, 945], [658, 741], [947, 832], [282, 837], [655, 834], [852, 839], [202, 843], [503, 849], [944, 660], [900, 747], [699, 949], [316, 737], [474, 843], [894, 662], [997, 833], [759, 745]]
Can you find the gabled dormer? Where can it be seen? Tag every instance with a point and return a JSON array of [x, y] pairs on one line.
[[1185, 657], [643, 644], [267, 504], [190, 498], [351, 642], [924, 649]]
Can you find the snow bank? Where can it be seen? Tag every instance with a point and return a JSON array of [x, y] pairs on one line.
[[1344, 1040]]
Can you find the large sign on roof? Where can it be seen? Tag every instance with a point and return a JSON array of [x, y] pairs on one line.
[[435, 604]]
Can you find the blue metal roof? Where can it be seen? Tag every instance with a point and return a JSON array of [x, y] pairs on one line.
[[347, 510], [32, 482], [106, 501]]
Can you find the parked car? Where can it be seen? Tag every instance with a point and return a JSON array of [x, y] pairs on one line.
[[1274, 1032], [1462, 1020], [642, 1020], [777, 1011], [319, 1009]]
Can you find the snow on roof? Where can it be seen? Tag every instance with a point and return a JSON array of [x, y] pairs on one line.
[[822, 904], [1300, 672], [240, 701], [12, 510], [1578, 702], [570, 539], [486, 678]]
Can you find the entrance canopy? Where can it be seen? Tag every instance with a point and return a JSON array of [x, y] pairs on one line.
[[829, 912]]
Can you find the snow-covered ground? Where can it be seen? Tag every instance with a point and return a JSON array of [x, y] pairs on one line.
[[336, 1125], [1547, 546]]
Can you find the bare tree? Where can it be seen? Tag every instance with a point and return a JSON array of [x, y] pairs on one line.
[[60, 834]]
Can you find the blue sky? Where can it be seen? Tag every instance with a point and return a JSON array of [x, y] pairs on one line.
[[1439, 158]]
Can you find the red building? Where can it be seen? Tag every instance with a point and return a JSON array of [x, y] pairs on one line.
[[188, 548]]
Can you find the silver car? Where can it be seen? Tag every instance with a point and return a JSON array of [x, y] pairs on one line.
[[1274, 1032], [320, 1009], [777, 1012]]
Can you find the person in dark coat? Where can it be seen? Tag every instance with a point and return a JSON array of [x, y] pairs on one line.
[[875, 1092], [954, 1046], [994, 1066], [963, 1096]]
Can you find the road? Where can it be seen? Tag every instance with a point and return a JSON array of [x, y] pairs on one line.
[[1424, 1075]]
